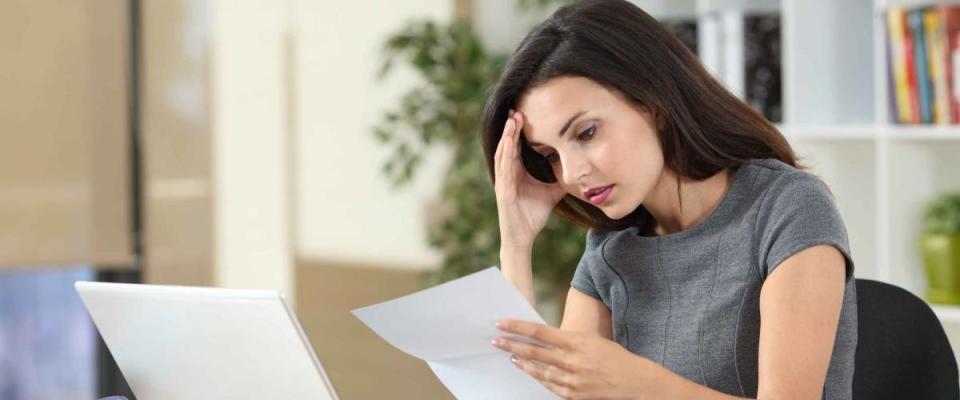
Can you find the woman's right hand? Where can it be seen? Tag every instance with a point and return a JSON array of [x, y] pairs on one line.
[[523, 202]]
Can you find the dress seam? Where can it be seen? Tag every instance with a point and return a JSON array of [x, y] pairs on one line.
[[703, 313], [626, 294], [736, 337], [666, 325]]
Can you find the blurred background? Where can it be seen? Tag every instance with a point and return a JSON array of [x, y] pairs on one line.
[[330, 150]]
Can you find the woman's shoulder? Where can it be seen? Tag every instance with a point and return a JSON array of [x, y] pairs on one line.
[[775, 179], [796, 211], [789, 199]]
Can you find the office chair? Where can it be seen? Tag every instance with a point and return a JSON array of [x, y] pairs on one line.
[[902, 350]]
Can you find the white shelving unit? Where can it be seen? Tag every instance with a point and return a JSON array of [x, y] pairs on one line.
[[835, 115]]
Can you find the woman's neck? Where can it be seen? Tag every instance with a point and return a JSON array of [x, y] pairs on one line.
[[700, 199]]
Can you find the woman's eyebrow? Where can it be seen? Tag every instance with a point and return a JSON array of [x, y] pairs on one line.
[[563, 129]]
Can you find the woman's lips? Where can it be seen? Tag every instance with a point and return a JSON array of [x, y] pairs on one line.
[[601, 195]]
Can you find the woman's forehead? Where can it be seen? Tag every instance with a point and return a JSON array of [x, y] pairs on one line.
[[547, 107], [560, 92]]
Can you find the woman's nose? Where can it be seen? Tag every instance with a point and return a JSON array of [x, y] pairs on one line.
[[574, 169]]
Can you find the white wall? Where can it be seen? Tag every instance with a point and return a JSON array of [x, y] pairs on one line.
[[345, 208], [250, 139]]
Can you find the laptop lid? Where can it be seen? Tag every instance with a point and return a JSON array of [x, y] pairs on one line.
[[174, 342]]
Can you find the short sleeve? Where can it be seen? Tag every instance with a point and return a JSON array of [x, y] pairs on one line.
[[796, 213], [587, 269]]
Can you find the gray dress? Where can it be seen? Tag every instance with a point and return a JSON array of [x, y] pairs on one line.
[[690, 301]]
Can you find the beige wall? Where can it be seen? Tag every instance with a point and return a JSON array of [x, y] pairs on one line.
[[346, 210]]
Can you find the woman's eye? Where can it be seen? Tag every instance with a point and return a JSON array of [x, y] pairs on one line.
[[587, 134]]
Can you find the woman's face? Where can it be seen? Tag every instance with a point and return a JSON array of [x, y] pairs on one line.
[[602, 148]]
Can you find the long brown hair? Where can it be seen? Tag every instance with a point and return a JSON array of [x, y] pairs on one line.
[[703, 127]]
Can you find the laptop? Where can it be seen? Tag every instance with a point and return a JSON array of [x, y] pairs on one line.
[[174, 342]]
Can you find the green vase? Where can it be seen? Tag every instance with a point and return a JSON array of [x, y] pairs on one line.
[[941, 260]]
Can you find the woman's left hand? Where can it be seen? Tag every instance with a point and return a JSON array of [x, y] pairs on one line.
[[578, 365]]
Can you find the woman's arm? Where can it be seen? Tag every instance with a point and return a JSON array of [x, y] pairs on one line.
[[524, 205], [586, 314], [800, 306], [515, 265]]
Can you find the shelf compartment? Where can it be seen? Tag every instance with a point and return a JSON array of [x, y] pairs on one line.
[[918, 171]]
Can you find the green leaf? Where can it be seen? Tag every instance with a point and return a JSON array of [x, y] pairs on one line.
[[942, 215]]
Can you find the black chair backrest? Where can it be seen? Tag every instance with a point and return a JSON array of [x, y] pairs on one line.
[[902, 350]]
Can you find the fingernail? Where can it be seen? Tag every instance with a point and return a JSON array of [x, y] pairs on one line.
[[514, 359], [500, 324], [495, 342], [510, 113]]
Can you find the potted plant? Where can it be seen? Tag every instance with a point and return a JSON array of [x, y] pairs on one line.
[[940, 248]]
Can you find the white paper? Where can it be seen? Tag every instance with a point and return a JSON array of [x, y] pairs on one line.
[[450, 326]]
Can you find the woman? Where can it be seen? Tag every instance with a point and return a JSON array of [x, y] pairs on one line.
[[692, 200]]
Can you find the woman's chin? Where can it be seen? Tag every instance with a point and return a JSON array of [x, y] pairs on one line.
[[613, 213], [617, 210]]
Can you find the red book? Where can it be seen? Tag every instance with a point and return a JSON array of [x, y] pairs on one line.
[[911, 63]]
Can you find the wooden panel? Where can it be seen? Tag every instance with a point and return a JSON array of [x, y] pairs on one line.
[[360, 364], [64, 170]]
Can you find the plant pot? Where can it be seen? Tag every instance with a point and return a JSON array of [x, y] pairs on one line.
[[941, 260]]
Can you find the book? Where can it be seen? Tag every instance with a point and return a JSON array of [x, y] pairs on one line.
[[762, 64], [922, 78], [742, 51], [899, 60], [950, 17], [893, 111], [937, 62], [923, 64]]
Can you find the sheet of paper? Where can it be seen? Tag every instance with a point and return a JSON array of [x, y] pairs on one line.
[[450, 326]]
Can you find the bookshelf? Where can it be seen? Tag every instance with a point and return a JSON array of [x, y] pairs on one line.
[[835, 114]]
